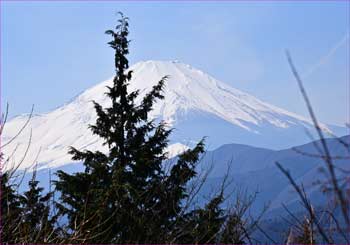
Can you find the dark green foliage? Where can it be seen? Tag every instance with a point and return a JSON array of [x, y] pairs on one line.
[[125, 195], [36, 222], [10, 210], [25, 217], [202, 226], [211, 225]]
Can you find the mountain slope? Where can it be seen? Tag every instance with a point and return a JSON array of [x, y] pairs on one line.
[[195, 104], [253, 170]]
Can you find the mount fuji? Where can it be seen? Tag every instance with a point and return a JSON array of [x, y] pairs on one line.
[[195, 105]]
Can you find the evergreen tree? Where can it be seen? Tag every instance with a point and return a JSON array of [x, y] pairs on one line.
[[36, 224], [125, 196], [25, 217], [202, 225], [10, 210], [210, 225]]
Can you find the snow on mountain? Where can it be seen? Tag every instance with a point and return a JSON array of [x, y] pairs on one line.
[[191, 89], [195, 104]]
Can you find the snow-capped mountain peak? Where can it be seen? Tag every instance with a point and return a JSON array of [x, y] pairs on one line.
[[195, 104], [191, 89]]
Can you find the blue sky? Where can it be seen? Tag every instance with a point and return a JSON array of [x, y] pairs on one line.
[[51, 51]]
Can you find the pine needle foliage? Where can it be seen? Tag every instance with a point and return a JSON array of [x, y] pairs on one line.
[[125, 196]]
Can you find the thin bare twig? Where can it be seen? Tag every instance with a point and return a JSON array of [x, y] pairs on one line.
[[327, 155]]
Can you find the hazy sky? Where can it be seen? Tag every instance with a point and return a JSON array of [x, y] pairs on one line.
[[51, 51]]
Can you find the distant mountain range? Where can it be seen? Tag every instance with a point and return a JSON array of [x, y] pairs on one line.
[[253, 170], [195, 105]]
